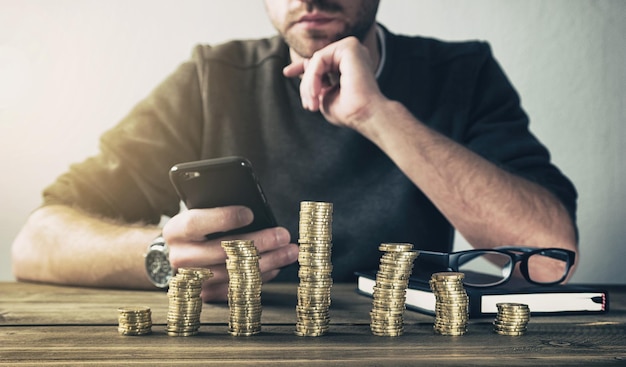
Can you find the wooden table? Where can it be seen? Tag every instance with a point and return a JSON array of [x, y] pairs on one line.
[[51, 325]]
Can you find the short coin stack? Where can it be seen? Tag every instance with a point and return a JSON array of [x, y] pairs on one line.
[[134, 320], [512, 318], [244, 287], [315, 239], [185, 304], [452, 303], [392, 279]]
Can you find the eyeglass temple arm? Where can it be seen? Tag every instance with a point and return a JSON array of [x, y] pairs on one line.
[[442, 258], [438, 258]]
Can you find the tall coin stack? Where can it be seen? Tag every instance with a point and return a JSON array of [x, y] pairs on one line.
[[315, 240], [389, 296], [452, 303], [185, 304], [134, 320], [244, 287], [512, 318]]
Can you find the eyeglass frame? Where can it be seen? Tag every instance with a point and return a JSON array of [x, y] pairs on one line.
[[452, 261]]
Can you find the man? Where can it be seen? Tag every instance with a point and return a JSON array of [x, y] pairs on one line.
[[414, 138]]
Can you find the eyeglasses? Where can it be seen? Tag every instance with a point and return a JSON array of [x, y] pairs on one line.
[[488, 268]]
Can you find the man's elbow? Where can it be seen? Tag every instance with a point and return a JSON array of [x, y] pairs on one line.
[[20, 262], [27, 257]]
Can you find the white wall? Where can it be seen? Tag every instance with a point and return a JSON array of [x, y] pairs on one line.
[[69, 69]]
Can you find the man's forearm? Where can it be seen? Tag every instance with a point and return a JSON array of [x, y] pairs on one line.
[[62, 245], [488, 205]]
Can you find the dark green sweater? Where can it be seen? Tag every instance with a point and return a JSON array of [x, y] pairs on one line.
[[232, 99]]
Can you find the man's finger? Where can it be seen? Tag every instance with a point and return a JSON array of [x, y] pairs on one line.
[[195, 224]]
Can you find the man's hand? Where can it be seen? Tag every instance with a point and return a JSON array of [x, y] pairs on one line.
[[339, 81], [185, 235]]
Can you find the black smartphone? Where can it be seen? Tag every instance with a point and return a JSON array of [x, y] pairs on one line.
[[220, 182]]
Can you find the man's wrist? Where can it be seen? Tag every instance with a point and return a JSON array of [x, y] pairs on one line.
[[377, 122]]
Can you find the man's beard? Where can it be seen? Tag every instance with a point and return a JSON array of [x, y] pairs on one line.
[[365, 18]]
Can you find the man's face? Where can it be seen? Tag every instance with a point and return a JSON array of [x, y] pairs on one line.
[[308, 26]]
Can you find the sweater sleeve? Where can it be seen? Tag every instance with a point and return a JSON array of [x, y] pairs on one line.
[[128, 179], [499, 131]]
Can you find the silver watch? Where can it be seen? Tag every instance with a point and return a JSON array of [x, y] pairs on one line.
[[158, 264]]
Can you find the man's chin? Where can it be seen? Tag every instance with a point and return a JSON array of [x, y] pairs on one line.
[[306, 48]]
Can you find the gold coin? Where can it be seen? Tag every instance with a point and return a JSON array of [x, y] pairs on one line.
[[396, 247]]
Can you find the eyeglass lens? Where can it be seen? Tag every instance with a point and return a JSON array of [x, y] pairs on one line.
[[485, 269], [547, 266]]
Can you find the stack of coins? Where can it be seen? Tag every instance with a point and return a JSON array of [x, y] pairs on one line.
[[134, 320], [244, 287], [315, 239], [452, 303], [392, 279], [512, 318], [185, 304]]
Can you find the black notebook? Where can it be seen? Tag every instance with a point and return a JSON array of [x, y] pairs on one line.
[[482, 301]]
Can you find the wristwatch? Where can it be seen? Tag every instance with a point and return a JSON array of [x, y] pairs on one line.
[[158, 264]]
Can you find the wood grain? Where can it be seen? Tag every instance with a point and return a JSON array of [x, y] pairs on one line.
[[43, 324]]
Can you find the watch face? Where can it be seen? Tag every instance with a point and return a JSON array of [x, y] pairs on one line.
[[159, 268]]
